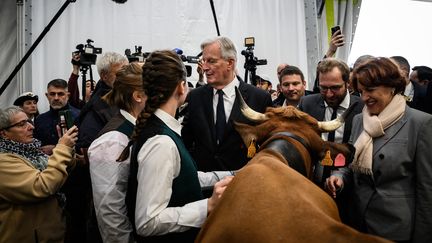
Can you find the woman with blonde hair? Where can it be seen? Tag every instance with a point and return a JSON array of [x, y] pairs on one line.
[[109, 178]]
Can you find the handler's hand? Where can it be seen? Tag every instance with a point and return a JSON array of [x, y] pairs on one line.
[[219, 189]]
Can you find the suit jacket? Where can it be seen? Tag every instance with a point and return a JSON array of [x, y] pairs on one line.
[[314, 106], [199, 132], [418, 101], [395, 202]]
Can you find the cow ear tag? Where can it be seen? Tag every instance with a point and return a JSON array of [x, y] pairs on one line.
[[327, 160], [251, 149], [339, 160]]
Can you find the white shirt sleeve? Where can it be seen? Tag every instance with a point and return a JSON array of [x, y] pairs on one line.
[[158, 165], [109, 185], [210, 178]]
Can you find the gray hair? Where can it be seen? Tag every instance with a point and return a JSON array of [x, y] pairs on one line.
[[7, 114], [227, 47], [104, 63]]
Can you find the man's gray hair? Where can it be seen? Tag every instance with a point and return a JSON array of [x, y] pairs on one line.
[[107, 59], [227, 47], [7, 114]]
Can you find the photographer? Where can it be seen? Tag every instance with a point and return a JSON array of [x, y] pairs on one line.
[[74, 98]]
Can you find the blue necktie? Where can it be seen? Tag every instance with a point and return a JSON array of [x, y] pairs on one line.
[[220, 117]]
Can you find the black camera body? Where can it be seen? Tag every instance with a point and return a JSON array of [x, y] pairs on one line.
[[88, 53], [137, 56], [251, 60]]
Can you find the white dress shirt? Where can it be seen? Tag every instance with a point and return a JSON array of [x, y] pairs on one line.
[[109, 184], [228, 97], [328, 114], [159, 164]]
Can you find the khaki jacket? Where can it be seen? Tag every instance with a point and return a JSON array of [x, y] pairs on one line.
[[29, 211]]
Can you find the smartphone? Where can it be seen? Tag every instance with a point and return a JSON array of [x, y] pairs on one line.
[[334, 29], [66, 121]]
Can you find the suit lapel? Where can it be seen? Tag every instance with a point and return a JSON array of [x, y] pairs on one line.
[[389, 134], [320, 109], [348, 120], [207, 101]]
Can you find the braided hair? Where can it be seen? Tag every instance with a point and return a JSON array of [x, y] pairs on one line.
[[162, 72]]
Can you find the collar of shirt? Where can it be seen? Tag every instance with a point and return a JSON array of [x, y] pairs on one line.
[[229, 98], [409, 90], [229, 89], [170, 121], [344, 104], [128, 116]]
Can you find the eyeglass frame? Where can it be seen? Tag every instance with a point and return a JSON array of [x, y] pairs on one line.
[[21, 124], [333, 88]]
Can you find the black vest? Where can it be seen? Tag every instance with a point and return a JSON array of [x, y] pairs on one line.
[[185, 189]]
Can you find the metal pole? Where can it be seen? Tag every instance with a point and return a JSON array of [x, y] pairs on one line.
[[35, 44]]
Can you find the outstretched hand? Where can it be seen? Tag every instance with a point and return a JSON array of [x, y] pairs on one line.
[[219, 189], [333, 185]]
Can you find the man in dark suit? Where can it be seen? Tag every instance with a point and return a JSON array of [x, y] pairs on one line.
[[331, 102], [414, 92], [292, 85], [208, 125]]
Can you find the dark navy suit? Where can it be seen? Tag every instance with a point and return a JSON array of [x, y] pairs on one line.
[[199, 132]]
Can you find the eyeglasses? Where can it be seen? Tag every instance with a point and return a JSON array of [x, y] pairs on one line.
[[20, 124], [334, 88]]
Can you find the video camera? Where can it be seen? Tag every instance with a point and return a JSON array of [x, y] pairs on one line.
[[88, 53], [138, 56], [251, 60], [188, 59]]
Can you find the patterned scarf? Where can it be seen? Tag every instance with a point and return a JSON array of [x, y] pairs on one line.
[[29, 151], [373, 127]]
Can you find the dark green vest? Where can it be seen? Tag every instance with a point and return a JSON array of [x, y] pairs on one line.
[[185, 189]]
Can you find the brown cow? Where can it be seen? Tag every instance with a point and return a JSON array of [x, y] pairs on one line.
[[268, 201]]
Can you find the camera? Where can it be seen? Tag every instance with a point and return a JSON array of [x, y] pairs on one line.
[[188, 59], [137, 56], [88, 53], [251, 61]]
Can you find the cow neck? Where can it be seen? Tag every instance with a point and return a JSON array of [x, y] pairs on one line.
[[278, 143]]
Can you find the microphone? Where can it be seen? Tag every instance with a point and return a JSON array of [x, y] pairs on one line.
[[119, 1], [178, 51]]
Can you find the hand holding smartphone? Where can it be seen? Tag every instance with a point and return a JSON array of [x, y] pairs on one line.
[[66, 121], [334, 29]]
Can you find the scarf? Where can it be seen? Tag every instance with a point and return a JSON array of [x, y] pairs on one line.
[[373, 127], [29, 151]]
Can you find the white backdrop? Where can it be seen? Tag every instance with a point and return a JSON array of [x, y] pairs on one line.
[[394, 28], [277, 25]]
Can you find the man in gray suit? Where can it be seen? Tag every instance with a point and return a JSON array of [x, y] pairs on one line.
[[332, 101]]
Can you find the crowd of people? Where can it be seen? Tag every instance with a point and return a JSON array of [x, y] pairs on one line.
[[131, 170]]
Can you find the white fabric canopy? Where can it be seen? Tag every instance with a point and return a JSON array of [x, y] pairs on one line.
[[277, 25]]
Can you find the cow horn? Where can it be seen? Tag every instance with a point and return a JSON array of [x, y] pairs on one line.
[[328, 126], [332, 125], [248, 112]]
